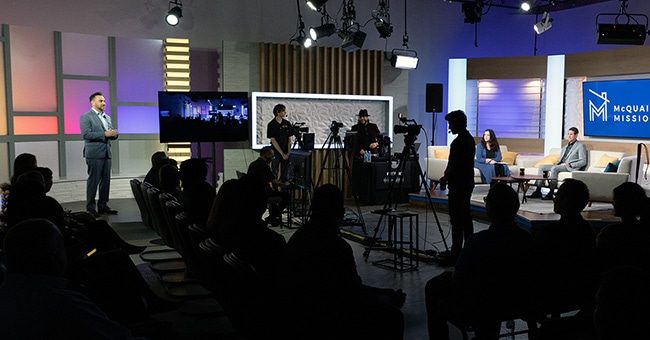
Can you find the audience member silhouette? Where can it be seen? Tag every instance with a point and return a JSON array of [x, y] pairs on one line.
[[491, 278], [327, 294], [157, 161], [197, 193], [35, 301], [23, 163], [29, 200], [625, 243], [623, 304], [260, 169], [169, 181], [566, 253]]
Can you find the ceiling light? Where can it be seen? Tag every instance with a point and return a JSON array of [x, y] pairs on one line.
[[322, 31], [353, 41], [316, 5], [526, 6], [304, 41], [404, 59], [175, 14], [472, 12], [384, 28], [543, 25]]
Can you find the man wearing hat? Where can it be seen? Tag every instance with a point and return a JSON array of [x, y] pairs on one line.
[[367, 135]]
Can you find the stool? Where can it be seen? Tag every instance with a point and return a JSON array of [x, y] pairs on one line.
[[398, 245]]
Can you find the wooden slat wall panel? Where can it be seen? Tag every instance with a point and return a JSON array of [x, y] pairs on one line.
[[290, 68]]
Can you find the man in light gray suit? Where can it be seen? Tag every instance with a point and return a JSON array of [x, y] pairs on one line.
[[97, 132], [572, 157]]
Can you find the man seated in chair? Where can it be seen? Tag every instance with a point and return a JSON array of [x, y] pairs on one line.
[[260, 169], [573, 157], [492, 276]]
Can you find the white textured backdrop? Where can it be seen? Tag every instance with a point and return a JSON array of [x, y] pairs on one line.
[[318, 113]]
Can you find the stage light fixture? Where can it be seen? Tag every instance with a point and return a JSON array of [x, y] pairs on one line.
[[316, 5], [626, 28], [353, 41], [384, 28], [472, 12], [404, 59], [322, 31], [526, 6], [543, 25], [304, 41], [175, 13]]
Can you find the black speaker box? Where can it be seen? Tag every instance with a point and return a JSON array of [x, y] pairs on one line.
[[434, 98]]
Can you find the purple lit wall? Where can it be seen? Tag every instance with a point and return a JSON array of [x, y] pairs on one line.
[[138, 119], [84, 54], [139, 70], [76, 103]]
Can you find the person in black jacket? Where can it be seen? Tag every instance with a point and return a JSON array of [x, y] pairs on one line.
[[367, 135], [459, 175]]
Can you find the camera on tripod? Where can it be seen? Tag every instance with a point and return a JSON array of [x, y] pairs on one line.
[[409, 127], [298, 128], [335, 126]]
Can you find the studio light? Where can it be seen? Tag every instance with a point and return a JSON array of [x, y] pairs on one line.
[[543, 25], [622, 28], [472, 12], [384, 28], [175, 13], [316, 5], [304, 41], [526, 6], [353, 41], [404, 59], [322, 31]]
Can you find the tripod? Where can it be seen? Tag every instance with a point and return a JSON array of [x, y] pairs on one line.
[[340, 168], [408, 150]]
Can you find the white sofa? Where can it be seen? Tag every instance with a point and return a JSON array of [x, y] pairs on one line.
[[436, 166], [600, 183]]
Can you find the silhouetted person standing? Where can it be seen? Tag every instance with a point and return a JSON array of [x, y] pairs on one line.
[[97, 132], [35, 301], [279, 132], [492, 277], [459, 176]]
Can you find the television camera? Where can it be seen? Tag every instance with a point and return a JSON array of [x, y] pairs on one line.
[[409, 128], [335, 126]]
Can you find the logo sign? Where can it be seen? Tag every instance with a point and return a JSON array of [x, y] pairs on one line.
[[619, 108]]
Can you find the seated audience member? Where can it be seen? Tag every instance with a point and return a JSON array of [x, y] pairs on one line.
[[197, 193], [625, 243], [35, 301], [23, 163], [326, 291], [488, 155], [260, 169], [169, 181], [492, 277], [623, 304], [566, 253], [156, 163], [29, 200], [573, 156]]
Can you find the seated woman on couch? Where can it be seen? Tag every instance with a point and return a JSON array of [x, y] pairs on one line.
[[488, 156]]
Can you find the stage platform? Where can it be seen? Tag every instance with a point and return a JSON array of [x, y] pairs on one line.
[[534, 212]]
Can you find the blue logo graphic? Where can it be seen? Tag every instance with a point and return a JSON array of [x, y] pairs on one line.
[[619, 108]]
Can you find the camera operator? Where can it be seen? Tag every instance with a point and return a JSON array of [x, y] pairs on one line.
[[279, 131], [367, 135]]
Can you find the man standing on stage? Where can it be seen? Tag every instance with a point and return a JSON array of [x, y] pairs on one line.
[[459, 175], [278, 131], [367, 135], [97, 132]]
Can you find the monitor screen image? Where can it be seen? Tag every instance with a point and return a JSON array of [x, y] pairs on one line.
[[203, 116]]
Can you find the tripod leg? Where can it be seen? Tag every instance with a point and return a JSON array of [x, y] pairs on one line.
[[388, 203], [328, 141], [347, 173]]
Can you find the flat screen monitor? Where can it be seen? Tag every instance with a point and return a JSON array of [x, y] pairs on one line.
[[617, 108], [203, 116]]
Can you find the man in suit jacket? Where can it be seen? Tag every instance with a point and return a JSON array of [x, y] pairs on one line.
[[97, 131], [573, 157]]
